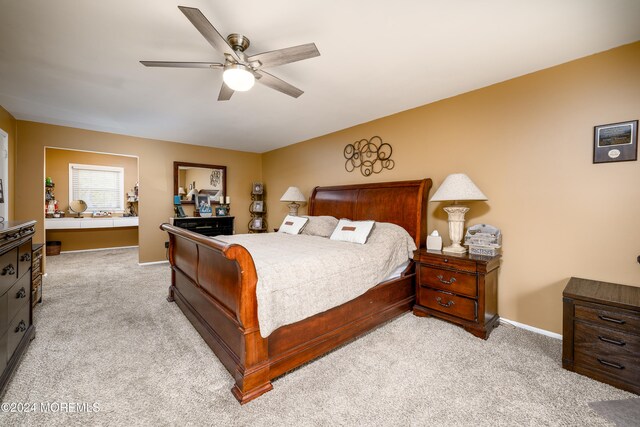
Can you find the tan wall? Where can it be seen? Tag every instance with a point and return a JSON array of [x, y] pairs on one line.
[[75, 240], [155, 170], [57, 167], [527, 144], [9, 124]]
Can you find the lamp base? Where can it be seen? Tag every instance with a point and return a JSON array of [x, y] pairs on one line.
[[456, 228], [453, 249], [293, 208]]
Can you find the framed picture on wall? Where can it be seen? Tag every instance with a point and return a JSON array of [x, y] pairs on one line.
[[615, 142]]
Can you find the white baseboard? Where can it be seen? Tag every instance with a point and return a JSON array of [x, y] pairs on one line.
[[97, 249], [153, 263], [531, 328]]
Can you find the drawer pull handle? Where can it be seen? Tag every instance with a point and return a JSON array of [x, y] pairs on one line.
[[21, 293], [447, 305], [21, 327], [25, 257], [611, 319], [9, 269], [613, 365], [449, 282], [610, 341]]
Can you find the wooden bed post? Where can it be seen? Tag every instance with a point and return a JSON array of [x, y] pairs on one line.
[[253, 376]]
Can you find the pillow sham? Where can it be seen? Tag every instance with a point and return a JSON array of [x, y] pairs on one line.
[[321, 226], [352, 231], [293, 224]]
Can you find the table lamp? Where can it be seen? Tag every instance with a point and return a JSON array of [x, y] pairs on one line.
[[457, 187], [181, 192], [293, 195]]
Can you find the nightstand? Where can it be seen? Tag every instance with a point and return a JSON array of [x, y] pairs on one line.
[[462, 289]]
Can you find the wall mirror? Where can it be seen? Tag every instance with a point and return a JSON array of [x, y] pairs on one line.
[[205, 179]]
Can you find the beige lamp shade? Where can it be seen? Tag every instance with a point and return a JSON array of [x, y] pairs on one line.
[[181, 191], [458, 186], [293, 194]]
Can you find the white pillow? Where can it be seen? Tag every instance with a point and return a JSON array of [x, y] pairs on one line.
[[353, 231], [293, 224]]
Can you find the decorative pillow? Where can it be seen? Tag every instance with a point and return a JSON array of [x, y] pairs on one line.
[[293, 224], [353, 231], [321, 226]]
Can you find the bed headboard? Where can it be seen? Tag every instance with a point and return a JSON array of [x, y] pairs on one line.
[[401, 202]]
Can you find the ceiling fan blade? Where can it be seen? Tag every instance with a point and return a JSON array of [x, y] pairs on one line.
[[275, 83], [175, 64], [286, 55], [209, 32], [225, 93]]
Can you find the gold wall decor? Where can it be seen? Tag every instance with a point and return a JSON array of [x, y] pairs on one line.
[[370, 156]]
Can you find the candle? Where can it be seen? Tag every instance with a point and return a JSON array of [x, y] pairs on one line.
[[222, 200], [228, 200]]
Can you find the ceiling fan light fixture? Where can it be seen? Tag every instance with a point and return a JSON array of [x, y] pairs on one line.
[[238, 77]]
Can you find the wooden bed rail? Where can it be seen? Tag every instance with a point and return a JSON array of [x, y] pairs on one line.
[[211, 255]]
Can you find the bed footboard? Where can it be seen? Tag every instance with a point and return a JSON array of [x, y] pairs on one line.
[[214, 284]]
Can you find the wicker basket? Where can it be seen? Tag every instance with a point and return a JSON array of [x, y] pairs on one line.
[[54, 247]]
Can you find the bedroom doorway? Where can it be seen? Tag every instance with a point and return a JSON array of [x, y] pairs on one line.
[[91, 200]]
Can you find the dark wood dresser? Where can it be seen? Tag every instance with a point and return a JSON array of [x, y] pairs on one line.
[[462, 289], [211, 226], [36, 273], [601, 332], [16, 325]]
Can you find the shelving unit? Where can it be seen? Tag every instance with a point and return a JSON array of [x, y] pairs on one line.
[[258, 209]]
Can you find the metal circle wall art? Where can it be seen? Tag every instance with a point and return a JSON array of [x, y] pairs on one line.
[[370, 156], [216, 176]]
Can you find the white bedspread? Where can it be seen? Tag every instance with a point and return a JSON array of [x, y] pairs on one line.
[[300, 275]]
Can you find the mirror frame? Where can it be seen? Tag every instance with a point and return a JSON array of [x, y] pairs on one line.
[[176, 169]]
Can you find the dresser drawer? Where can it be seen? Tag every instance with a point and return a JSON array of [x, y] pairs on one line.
[[8, 270], [450, 281], [36, 281], [36, 266], [24, 258], [609, 317], [448, 262], [36, 294], [18, 296], [454, 305], [17, 328]]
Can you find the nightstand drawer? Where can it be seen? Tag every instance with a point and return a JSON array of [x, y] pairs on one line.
[[606, 350], [454, 305], [605, 316], [444, 261], [450, 281]]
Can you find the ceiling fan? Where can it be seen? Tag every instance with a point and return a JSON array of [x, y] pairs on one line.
[[241, 71]]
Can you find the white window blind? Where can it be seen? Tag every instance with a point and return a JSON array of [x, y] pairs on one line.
[[101, 187]]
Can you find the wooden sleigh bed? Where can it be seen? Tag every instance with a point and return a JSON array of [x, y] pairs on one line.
[[214, 284]]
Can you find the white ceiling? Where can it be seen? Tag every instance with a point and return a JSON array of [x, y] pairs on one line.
[[75, 62]]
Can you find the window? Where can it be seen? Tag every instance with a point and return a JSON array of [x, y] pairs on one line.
[[101, 187]]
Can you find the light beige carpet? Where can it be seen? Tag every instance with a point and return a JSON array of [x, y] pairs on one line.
[[106, 335]]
